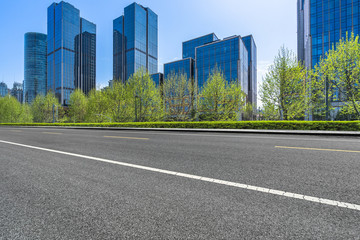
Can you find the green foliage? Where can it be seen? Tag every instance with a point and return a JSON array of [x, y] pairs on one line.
[[12, 111], [271, 125], [97, 107], [43, 107], [78, 106], [145, 97], [283, 91], [248, 111], [178, 97], [339, 72], [220, 100], [119, 102]]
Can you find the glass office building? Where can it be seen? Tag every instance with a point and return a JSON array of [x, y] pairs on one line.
[[35, 66], [85, 57], [63, 51], [188, 47], [135, 42], [158, 78], [184, 66], [3, 89], [17, 91], [252, 68], [229, 56], [322, 23]]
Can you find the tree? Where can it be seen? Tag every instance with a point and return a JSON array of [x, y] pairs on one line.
[[97, 107], [145, 97], [283, 91], [339, 72], [220, 100], [12, 111], [43, 107], [78, 106], [119, 98], [178, 97]]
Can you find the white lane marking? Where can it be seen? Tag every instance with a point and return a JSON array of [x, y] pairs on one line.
[[205, 179]]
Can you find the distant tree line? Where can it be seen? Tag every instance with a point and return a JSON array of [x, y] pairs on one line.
[[138, 99]]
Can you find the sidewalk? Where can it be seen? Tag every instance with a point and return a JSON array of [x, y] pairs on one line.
[[253, 131]]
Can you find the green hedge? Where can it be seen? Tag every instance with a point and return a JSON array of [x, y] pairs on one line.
[[274, 125]]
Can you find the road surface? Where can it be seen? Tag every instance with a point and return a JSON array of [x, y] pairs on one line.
[[103, 184]]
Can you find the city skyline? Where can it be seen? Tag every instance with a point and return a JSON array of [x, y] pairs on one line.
[[243, 23]]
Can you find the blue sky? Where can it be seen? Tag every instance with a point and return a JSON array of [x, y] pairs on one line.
[[272, 23]]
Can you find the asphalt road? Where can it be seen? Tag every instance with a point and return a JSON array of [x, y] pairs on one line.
[[96, 185]]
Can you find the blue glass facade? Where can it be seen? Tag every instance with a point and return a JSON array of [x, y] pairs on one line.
[[188, 47], [17, 91], [35, 66], [229, 56], [158, 78], [135, 42], [64, 64], [85, 57], [3, 89], [184, 66], [252, 68], [322, 23]]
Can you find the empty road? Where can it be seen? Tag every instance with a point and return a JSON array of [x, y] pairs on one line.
[[105, 184]]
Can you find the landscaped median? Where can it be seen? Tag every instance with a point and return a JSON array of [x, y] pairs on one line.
[[268, 125]]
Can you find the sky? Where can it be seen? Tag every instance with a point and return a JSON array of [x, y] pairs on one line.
[[272, 24]]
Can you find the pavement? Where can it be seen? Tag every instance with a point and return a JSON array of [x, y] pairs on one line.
[[85, 184], [253, 131]]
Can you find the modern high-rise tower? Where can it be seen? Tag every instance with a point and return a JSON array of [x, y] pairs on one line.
[[322, 23], [85, 57], [17, 91], [3, 89], [229, 56], [34, 66], [71, 51], [252, 61], [135, 42]]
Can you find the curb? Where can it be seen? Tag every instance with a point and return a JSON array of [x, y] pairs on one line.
[[243, 131]]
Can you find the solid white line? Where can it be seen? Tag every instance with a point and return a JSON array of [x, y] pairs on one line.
[[205, 179]]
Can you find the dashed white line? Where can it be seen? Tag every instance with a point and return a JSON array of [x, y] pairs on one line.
[[205, 179]]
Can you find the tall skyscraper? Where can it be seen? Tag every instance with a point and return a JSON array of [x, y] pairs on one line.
[[188, 47], [158, 78], [17, 91], [235, 57], [187, 64], [85, 57], [322, 23], [184, 66], [34, 66], [70, 53], [135, 42], [3, 89], [229, 56], [252, 60]]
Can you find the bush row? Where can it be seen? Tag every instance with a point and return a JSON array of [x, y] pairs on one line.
[[270, 125]]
